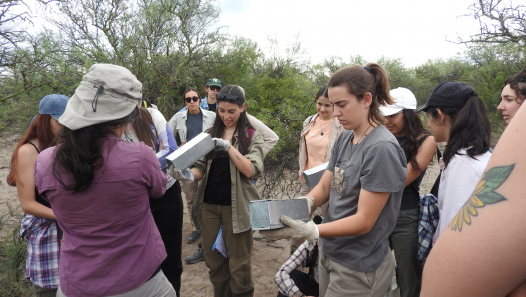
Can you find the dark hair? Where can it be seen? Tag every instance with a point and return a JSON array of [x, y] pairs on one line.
[[142, 126], [470, 128], [322, 92], [40, 129], [518, 84], [359, 80], [243, 124], [80, 151], [414, 130], [189, 90]]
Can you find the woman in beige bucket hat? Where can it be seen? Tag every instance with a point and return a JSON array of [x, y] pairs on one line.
[[98, 187]]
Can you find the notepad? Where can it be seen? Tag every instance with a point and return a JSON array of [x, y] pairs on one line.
[[313, 175], [219, 244]]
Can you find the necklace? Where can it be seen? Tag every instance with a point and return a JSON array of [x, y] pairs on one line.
[[229, 131], [322, 128], [356, 144]]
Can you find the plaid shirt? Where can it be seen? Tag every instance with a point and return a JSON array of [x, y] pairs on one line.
[[285, 283], [427, 225], [42, 251]]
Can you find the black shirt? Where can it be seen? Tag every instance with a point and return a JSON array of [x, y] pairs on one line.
[[411, 196], [219, 185], [212, 107]]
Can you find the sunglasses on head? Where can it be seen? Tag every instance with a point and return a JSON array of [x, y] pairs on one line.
[[190, 99], [227, 97], [215, 88]]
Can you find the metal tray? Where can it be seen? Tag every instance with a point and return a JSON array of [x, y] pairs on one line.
[[192, 151], [266, 214]]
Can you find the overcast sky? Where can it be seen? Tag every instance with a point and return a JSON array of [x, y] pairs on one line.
[[414, 30]]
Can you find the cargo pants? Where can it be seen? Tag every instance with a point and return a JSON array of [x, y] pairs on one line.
[[230, 276]]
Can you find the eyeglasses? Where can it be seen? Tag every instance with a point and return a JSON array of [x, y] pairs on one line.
[[215, 88], [190, 99], [227, 97]]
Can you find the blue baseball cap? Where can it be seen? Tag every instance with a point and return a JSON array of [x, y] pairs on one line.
[[53, 105]]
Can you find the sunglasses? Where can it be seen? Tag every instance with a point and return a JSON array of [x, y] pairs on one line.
[[227, 97], [190, 99], [215, 88]]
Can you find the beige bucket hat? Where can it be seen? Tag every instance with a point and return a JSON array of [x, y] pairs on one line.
[[106, 93]]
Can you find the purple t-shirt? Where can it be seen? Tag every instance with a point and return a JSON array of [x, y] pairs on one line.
[[111, 244]]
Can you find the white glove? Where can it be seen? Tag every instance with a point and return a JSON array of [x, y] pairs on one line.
[[294, 229], [221, 144], [186, 175]]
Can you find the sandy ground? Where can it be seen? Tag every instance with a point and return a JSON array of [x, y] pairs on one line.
[[267, 256]]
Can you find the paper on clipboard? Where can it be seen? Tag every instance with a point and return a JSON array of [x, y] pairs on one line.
[[219, 244]]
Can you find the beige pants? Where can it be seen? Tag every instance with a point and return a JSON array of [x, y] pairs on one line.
[[157, 286], [304, 190], [338, 280], [190, 190]]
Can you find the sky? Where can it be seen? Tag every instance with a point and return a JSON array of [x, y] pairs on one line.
[[413, 30]]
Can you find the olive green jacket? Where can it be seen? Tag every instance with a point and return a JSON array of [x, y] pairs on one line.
[[243, 188]]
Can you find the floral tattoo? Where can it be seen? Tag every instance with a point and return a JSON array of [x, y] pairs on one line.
[[483, 195]]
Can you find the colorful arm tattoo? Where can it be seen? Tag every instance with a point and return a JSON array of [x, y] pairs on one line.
[[484, 194]]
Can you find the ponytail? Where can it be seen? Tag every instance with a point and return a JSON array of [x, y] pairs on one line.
[[359, 80], [470, 128]]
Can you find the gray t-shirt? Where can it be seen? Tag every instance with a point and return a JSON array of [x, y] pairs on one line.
[[194, 125], [377, 164]]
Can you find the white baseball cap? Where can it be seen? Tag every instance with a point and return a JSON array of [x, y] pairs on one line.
[[403, 99]]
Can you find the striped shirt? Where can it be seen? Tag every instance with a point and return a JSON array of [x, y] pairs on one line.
[[285, 284]]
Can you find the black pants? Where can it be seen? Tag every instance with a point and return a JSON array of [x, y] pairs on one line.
[[303, 281], [167, 212]]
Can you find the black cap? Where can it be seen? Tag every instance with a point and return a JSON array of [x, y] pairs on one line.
[[448, 94]]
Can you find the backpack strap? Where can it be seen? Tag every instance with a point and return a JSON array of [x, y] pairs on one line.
[[436, 185]]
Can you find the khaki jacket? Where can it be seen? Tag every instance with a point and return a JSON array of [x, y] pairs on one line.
[[178, 123], [336, 130], [243, 188]]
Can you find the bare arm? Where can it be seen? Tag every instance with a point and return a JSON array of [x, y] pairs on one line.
[[423, 157], [370, 205], [25, 183], [243, 164], [483, 253]]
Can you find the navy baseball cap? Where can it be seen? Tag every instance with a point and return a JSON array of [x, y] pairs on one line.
[[448, 94], [53, 105]]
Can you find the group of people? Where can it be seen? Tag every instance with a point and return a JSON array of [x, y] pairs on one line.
[[360, 224], [104, 210]]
